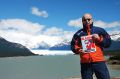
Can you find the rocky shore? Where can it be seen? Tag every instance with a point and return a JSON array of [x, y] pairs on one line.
[[114, 62]]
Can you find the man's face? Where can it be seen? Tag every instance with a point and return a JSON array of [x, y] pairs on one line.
[[87, 19]]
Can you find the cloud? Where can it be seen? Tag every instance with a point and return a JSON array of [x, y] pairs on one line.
[[20, 31], [17, 37], [114, 32], [20, 25], [50, 40], [78, 23], [107, 25], [59, 32], [31, 34], [38, 12], [111, 27], [68, 35], [53, 31], [75, 23]]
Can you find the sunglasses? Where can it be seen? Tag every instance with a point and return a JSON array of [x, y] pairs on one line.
[[87, 19]]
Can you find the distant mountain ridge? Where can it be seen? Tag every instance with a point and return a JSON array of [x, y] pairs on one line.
[[10, 49], [114, 46], [65, 45], [115, 37]]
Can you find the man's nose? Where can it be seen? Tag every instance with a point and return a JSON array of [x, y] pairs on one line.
[[87, 21]]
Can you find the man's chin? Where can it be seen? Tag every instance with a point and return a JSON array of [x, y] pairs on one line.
[[88, 24]]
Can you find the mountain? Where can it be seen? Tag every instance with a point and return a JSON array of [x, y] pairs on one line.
[[115, 37], [10, 49], [115, 42], [118, 39], [65, 45], [114, 46]]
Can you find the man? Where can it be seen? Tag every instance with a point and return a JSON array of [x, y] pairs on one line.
[[91, 61]]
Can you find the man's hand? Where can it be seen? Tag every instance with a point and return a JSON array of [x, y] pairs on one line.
[[81, 51], [96, 38]]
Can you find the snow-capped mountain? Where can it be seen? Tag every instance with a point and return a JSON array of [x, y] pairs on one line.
[[118, 39], [64, 42], [65, 45], [115, 37]]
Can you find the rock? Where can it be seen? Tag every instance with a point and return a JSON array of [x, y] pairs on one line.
[[114, 62]]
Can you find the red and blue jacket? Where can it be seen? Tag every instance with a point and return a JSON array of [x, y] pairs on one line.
[[94, 56]]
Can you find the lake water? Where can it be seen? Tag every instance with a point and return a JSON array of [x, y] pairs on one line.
[[43, 67]]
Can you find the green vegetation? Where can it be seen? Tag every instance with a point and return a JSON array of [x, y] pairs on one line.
[[114, 56]]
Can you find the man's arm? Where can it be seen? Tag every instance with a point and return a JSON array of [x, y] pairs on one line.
[[75, 46], [106, 40]]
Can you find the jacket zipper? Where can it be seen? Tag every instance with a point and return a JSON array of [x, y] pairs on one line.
[[89, 33]]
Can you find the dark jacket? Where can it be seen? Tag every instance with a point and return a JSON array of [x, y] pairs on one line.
[[91, 57]]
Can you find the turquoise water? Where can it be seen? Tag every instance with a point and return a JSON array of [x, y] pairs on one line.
[[42, 67]]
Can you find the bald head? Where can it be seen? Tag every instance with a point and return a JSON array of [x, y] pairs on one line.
[[86, 16], [87, 19]]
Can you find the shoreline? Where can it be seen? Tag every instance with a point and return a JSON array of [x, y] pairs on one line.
[[93, 78]]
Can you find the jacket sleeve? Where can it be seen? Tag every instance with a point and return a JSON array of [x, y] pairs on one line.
[[106, 42], [75, 44]]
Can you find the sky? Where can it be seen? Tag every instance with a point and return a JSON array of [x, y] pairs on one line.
[[32, 22]]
